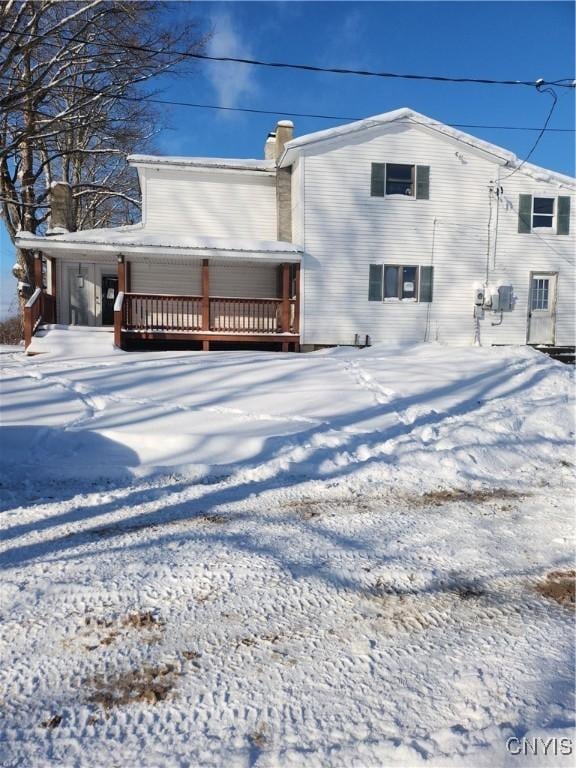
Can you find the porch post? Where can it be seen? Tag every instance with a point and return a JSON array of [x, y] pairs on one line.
[[53, 289], [38, 277], [205, 301], [121, 274], [285, 298], [297, 299]]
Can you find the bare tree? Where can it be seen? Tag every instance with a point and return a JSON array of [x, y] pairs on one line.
[[72, 80]]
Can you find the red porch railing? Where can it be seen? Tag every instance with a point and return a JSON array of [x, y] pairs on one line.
[[155, 312], [40, 308], [158, 313], [239, 315]]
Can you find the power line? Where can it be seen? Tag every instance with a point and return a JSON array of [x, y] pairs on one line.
[[287, 113], [543, 130], [562, 82]]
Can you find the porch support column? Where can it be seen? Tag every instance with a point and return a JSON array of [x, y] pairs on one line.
[[119, 314], [38, 277], [285, 298], [205, 301], [121, 274], [53, 289], [297, 299]]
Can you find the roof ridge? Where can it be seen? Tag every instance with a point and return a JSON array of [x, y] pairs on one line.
[[510, 159]]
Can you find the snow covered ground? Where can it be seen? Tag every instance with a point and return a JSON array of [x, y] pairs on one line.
[[247, 558]]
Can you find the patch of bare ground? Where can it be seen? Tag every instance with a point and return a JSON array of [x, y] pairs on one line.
[[215, 519], [559, 586], [149, 685], [308, 509], [451, 495], [192, 657], [52, 722], [146, 621], [142, 620], [260, 737]]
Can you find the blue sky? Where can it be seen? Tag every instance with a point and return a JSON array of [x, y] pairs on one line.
[[499, 40]]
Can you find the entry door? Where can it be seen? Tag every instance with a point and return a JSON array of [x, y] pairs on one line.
[[80, 283], [109, 292], [542, 308]]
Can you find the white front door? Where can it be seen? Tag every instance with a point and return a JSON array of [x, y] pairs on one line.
[[542, 307]]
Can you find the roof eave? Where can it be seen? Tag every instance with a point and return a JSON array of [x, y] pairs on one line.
[[50, 246]]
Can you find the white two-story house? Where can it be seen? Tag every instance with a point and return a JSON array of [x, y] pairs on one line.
[[390, 230]]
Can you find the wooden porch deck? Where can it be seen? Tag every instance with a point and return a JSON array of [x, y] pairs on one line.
[[204, 319], [148, 317]]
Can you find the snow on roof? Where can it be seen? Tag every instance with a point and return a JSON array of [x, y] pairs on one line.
[[407, 115], [134, 238], [204, 162]]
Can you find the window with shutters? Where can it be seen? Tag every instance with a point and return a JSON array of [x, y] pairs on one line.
[[544, 214], [399, 179], [395, 282]]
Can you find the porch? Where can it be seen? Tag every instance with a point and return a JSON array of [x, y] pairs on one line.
[[205, 318], [79, 291]]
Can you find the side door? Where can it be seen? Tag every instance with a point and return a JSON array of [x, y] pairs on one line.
[[542, 307], [109, 292]]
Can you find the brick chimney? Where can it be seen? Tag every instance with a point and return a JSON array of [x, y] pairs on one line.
[[61, 208], [284, 134], [270, 147]]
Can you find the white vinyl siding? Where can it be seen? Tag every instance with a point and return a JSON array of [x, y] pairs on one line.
[[185, 278], [177, 278], [212, 203], [253, 281], [346, 230]]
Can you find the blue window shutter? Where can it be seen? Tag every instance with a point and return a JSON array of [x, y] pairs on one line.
[[375, 283], [422, 182], [426, 283], [377, 180], [563, 217], [525, 213]]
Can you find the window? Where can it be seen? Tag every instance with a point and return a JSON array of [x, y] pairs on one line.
[[391, 276], [542, 212], [395, 282], [540, 290], [399, 179], [390, 179]]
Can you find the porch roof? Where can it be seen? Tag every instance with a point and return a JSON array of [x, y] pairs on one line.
[[135, 240]]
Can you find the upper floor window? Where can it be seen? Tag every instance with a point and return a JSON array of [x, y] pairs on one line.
[[544, 214], [400, 179], [389, 179]]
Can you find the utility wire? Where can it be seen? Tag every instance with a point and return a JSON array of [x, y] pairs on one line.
[[563, 82], [277, 112], [543, 130]]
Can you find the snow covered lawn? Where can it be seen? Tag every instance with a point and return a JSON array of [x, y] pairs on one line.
[[235, 559]]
